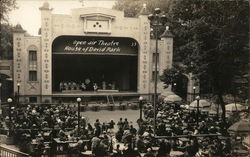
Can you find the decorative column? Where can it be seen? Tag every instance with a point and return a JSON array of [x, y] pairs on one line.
[[46, 34], [19, 59], [143, 73]]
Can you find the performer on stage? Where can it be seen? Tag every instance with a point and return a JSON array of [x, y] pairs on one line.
[[66, 86], [83, 87], [61, 86], [95, 86], [89, 85], [103, 85]]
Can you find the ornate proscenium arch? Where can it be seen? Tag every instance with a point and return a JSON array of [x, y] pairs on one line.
[[113, 60], [95, 45]]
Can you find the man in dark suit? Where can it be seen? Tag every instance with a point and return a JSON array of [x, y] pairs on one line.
[[89, 85]]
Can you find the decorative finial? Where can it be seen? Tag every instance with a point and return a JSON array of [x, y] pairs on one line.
[[45, 6], [167, 33], [82, 1], [19, 28], [144, 9]]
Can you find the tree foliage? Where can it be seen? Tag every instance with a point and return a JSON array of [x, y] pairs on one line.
[[6, 41], [170, 76], [6, 29], [211, 40], [5, 7], [132, 8]]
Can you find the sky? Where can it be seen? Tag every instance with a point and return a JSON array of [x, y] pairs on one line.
[[29, 16]]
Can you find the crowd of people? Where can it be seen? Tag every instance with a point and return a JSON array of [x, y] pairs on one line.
[[181, 121], [174, 121], [177, 130]]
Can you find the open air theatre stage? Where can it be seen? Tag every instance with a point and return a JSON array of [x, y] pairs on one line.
[[107, 96], [95, 94]]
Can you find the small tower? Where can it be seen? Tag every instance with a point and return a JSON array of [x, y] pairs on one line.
[[18, 56], [167, 38], [166, 58]]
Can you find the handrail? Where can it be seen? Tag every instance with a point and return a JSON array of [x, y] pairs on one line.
[[6, 152], [187, 136]]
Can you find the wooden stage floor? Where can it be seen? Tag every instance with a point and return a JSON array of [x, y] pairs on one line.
[[94, 94]]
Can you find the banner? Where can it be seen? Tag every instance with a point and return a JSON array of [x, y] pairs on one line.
[[95, 45]]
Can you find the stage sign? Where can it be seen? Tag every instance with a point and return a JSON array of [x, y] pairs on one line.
[[94, 45]]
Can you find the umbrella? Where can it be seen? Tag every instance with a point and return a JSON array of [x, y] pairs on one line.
[[246, 142], [172, 98], [202, 103], [184, 106], [161, 97], [167, 93], [213, 109], [164, 95], [145, 134], [240, 126], [231, 107], [230, 98]]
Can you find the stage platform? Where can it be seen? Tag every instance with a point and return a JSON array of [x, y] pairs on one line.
[[94, 94]]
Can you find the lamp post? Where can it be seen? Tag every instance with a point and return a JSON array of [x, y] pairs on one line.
[[140, 106], [198, 105], [174, 88], [9, 100], [156, 20], [18, 93], [78, 117], [194, 93], [0, 98]]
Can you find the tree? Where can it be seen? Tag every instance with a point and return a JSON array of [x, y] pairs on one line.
[[211, 40], [170, 76], [6, 46], [5, 29], [5, 7], [132, 8]]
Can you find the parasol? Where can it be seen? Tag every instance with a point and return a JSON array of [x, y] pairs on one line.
[[234, 107], [172, 98], [202, 103], [240, 126]]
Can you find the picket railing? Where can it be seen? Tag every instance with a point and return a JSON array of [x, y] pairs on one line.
[[8, 152]]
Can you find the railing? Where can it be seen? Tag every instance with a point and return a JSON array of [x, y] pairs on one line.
[[8, 152], [187, 136]]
